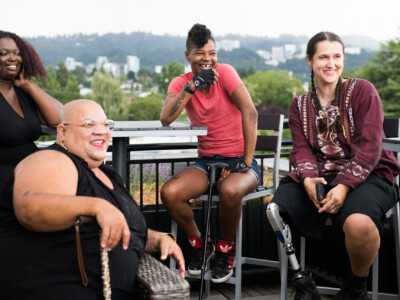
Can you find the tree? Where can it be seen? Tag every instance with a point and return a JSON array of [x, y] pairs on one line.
[[52, 86], [168, 73], [131, 75], [275, 88], [144, 77], [107, 92], [383, 71], [62, 74], [71, 91], [148, 108]]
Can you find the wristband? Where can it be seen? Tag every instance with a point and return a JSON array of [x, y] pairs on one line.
[[169, 234], [187, 88]]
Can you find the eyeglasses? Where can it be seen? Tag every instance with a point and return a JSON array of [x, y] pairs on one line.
[[91, 125]]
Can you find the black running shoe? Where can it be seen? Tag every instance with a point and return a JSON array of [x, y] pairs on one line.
[[222, 267], [195, 264]]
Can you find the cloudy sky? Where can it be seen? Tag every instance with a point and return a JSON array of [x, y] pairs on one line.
[[376, 19]]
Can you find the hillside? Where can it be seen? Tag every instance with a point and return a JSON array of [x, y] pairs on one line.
[[163, 49]]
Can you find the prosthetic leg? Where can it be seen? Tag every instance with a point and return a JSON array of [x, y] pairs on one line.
[[301, 281]]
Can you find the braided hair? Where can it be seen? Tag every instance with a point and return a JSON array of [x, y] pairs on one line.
[[198, 36], [311, 49], [31, 62]]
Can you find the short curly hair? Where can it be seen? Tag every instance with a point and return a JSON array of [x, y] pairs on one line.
[[31, 63], [198, 36]]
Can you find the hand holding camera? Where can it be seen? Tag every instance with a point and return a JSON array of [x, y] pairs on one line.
[[204, 78]]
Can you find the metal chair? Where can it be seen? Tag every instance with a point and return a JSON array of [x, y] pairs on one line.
[[391, 127], [264, 143]]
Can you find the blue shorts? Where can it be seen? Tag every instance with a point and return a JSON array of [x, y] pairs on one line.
[[202, 163]]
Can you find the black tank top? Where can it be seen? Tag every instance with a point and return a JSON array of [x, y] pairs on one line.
[[32, 260], [17, 134]]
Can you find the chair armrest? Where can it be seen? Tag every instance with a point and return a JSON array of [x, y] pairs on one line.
[[156, 281]]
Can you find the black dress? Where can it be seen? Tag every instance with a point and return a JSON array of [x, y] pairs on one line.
[[44, 265], [17, 134]]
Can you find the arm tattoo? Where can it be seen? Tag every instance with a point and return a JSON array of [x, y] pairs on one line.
[[176, 105], [26, 193]]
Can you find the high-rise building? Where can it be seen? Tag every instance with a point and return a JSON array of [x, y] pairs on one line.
[[278, 54], [133, 63], [71, 63], [101, 60]]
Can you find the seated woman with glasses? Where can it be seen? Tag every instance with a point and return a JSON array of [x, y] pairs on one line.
[[337, 131], [49, 190]]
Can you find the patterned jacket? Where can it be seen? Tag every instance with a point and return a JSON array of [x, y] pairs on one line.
[[358, 145]]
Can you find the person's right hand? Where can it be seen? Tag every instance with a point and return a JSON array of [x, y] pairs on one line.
[[22, 82], [204, 78], [113, 225], [309, 185]]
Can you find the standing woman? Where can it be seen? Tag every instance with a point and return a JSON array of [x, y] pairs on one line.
[[23, 105], [337, 131]]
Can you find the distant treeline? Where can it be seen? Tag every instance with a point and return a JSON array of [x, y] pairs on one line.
[[163, 49]]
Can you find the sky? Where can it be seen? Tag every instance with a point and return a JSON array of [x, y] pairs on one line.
[[29, 18]]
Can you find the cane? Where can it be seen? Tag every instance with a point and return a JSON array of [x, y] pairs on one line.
[[212, 169], [105, 269]]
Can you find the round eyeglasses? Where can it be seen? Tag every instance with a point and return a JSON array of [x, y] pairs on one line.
[[91, 125]]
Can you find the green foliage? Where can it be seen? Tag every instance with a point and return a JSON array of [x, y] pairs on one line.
[[168, 73], [384, 72], [241, 57], [243, 73], [144, 77], [148, 108], [71, 90], [273, 88], [62, 74], [107, 92], [131, 75]]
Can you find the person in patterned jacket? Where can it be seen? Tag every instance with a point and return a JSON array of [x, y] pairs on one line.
[[337, 131]]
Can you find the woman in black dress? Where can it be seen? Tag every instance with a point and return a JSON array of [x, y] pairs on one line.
[[23, 105]]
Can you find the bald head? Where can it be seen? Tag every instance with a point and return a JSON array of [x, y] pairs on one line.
[[77, 109]]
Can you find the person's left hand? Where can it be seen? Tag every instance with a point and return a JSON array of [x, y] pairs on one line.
[[169, 247], [22, 82], [334, 199]]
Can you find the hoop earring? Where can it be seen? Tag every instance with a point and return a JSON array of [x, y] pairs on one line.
[[63, 145]]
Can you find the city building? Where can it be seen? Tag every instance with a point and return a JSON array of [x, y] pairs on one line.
[[71, 64], [290, 50], [133, 64], [113, 68], [228, 45], [101, 60]]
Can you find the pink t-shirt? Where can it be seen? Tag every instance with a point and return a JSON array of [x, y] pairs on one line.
[[215, 111]]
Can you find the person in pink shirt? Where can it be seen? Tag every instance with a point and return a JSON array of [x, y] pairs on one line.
[[213, 96]]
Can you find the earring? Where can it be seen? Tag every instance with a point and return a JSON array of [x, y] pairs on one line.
[[62, 145]]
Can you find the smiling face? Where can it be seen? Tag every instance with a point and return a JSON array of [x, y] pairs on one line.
[[327, 62], [202, 58], [91, 146], [10, 59]]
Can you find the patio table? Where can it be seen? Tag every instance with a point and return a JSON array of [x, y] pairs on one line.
[[125, 129]]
